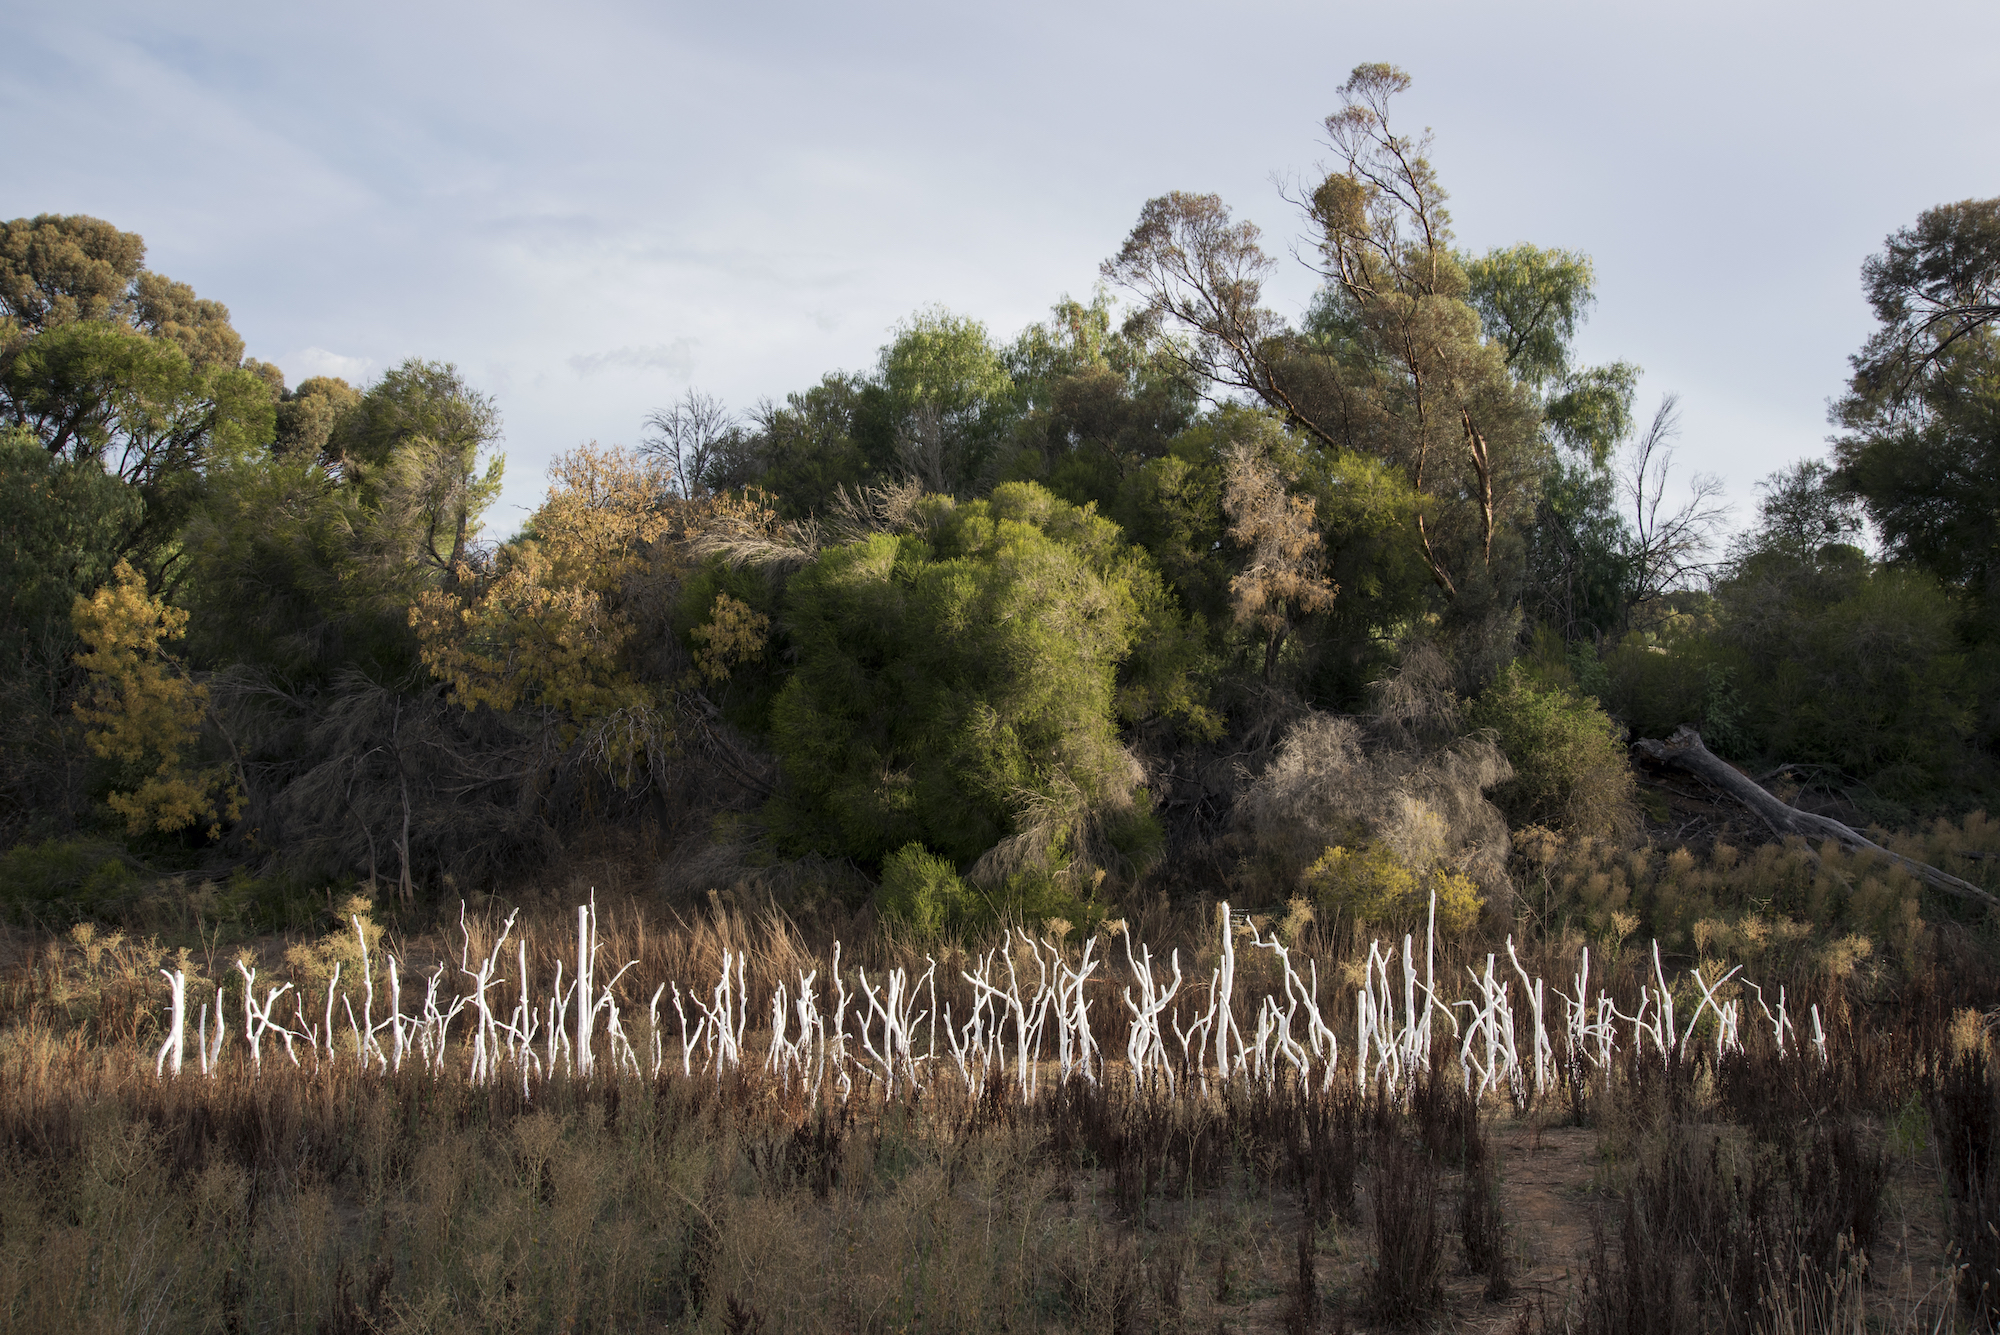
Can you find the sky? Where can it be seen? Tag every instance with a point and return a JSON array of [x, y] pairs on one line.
[[592, 207]]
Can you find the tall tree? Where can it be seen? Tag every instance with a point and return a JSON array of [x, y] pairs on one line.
[[1920, 424], [1285, 576], [1933, 285], [949, 393], [308, 562], [1391, 362], [105, 362], [1095, 402]]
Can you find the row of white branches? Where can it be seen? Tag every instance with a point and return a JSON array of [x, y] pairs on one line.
[[1029, 1021]]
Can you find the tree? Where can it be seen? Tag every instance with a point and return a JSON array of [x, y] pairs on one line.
[[689, 438], [1665, 554], [105, 362], [410, 452], [1531, 302], [957, 686], [1437, 399], [1920, 424], [309, 415], [1933, 285], [1095, 403], [1192, 265], [803, 451], [306, 564], [566, 622], [1803, 518], [61, 524], [1285, 578], [948, 391], [57, 270], [145, 712], [1391, 362]]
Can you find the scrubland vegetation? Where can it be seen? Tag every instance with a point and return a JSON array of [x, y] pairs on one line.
[[1003, 654]]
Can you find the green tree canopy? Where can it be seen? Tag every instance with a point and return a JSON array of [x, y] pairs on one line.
[[1391, 364], [958, 684], [1919, 439], [306, 560], [107, 363]]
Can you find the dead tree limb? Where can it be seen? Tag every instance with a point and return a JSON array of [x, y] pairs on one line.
[[1684, 750]]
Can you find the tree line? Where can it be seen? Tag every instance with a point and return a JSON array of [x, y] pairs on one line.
[[1168, 590]]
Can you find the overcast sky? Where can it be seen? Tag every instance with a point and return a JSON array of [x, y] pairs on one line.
[[591, 206]]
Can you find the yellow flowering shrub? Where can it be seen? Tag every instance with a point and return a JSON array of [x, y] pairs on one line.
[[1373, 885], [734, 633], [144, 711]]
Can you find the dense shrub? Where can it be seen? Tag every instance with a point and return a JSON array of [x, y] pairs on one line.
[[1570, 770], [1374, 886], [1773, 909], [922, 891], [63, 880], [1843, 663], [958, 685], [1401, 778]]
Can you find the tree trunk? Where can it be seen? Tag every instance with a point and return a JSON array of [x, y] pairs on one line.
[[1684, 750]]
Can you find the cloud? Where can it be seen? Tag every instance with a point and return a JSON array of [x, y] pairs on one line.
[[676, 359], [306, 364]]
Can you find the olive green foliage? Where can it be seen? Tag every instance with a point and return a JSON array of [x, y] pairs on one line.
[[1374, 887], [801, 452], [1095, 404], [68, 880], [1872, 679], [1172, 506], [948, 619], [62, 523], [1921, 419], [104, 362], [1809, 653], [1531, 302], [1679, 671], [309, 414], [950, 684], [305, 561], [1362, 509], [1570, 769], [924, 893]]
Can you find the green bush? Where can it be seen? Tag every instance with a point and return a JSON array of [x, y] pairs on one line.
[[1053, 902], [1373, 886], [68, 880], [923, 892], [1849, 665], [955, 685], [1570, 768], [1875, 683]]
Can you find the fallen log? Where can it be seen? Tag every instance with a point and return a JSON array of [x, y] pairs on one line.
[[1684, 750]]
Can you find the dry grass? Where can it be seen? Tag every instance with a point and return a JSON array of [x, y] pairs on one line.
[[328, 1201]]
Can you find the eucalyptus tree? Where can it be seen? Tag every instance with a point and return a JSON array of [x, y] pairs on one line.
[[1390, 363], [1919, 438], [104, 362]]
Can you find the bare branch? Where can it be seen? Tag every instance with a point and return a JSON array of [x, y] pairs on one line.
[[1671, 553], [687, 437]]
